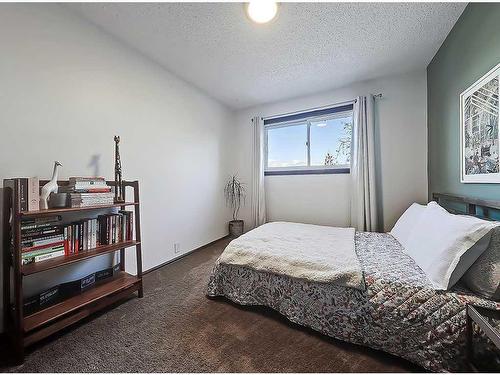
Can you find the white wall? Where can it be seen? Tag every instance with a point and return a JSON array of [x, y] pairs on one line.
[[314, 199], [66, 88], [401, 126]]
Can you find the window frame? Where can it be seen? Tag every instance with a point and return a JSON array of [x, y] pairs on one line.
[[305, 119]]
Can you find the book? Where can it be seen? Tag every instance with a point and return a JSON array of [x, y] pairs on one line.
[[54, 254], [57, 252], [38, 223], [29, 194], [33, 253], [76, 245], [31, 305], [91, 199], [115, 227], [45, 246], [65, 235], [49, 297], [46, 240], [71, 288], [86, 190], [73, 179], [80, 236], [107, 273], [94, 233], [41, 234], [32, 228], [128, 225], [42, 220], [90, 196], [42, 300], [85, 241], [23, 194], [33, 194]]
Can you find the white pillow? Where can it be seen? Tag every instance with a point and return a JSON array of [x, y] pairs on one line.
[[405, 224], [439, 241]]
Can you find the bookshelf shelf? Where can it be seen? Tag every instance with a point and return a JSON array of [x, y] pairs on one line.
[[32, 268], [120, 282], [58, 211], [23, 330]]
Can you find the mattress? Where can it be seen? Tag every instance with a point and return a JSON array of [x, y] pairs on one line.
[[399, 312]]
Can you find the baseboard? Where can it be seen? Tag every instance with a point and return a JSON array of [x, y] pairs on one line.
[[183, 255]]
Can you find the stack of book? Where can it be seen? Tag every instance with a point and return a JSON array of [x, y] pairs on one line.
[[80, 236], [105, 230], [29, 194], [114, 228], [47, 238], [41, 239], [88, 191]]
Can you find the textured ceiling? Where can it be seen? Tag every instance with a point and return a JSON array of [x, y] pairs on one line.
[[308, 48]]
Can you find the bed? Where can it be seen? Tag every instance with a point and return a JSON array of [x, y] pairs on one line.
[[397, 310]]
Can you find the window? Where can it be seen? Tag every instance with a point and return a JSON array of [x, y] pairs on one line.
[[308, 143]]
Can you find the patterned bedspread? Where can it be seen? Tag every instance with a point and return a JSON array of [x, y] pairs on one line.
[[399, 312]]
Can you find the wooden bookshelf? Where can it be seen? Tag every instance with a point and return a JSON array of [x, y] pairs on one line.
[[24, 330]]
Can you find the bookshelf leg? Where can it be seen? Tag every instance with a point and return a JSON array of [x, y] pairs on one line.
[[138, 247], [139, 267], [141, 291], [7, 254], [122, 259]]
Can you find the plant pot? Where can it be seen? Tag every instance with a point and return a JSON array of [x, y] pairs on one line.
[[235, 228]]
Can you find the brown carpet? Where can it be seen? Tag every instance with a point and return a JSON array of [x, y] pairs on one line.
[[175, 328]]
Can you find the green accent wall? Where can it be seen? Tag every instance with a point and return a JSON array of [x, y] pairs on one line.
[[471, 49]]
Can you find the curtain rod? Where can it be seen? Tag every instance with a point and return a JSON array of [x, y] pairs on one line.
[[317, 108]]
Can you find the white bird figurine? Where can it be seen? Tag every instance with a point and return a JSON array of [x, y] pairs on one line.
[[49, 187]]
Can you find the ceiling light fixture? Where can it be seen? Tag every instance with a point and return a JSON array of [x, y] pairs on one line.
[[261, 11]]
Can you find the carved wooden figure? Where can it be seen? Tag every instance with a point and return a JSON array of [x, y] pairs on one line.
[[118, 173]]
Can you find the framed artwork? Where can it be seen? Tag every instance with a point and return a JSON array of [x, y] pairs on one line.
[[479, 136]]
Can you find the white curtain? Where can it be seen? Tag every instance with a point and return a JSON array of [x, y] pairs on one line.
[[363, 200], [258, 194]]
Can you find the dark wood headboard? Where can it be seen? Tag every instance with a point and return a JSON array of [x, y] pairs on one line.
[[473, 206]]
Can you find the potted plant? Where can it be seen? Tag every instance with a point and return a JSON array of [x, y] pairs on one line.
[[234, 192]]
